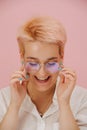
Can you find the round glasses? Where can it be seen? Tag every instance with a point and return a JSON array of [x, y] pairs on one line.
[[33, 67]]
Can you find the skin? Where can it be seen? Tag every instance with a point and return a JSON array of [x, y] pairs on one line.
[[41, 94], [42, 53]]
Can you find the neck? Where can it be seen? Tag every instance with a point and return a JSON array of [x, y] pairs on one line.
[[42, 100]]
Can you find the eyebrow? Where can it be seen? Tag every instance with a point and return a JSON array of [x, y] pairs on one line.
[[33, 58]]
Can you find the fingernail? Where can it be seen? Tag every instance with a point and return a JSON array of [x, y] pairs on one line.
[[61, 64], [20, 80], [59, 68], [27, 76]]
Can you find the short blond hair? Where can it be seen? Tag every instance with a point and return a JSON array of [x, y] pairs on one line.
[[44, 30]]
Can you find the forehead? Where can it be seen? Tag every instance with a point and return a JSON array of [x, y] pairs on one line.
[[42, 51]]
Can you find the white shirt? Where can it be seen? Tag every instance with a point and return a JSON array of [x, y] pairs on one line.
[[29, 118]]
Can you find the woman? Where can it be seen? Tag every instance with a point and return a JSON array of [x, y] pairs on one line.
[[43, 94]]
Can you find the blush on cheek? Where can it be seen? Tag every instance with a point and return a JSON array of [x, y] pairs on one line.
[[27, 68], [53, 70]]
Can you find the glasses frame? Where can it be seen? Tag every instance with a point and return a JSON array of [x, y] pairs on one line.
[[44, 64]]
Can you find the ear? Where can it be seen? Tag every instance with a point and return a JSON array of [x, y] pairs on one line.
[[21, 47], [21, 54], [61, 53], [21, 57], [61, 57], [61, 62]]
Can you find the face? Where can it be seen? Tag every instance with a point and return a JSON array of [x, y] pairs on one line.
[[42, 62]]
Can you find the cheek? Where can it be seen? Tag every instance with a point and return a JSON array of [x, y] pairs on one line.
[[31, 76], [54, 77]]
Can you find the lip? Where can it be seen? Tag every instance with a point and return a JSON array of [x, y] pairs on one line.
[[43, 82]]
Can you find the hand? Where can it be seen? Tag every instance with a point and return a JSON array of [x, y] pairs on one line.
[[66, 85], [18, 87]]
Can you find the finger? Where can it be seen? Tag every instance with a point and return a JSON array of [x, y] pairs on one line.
[[61, 65], [14, 81], [19, 73], [68, 69], [17, 76], [26, 74], [69, 72], [18, 80], [70, 77], [70, 81], [62, 77], [25, 83]]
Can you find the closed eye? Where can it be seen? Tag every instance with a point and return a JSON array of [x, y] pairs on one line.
[[33, 64], [51, 63]]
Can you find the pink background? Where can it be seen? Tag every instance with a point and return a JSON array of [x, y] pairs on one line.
[[72, 13]]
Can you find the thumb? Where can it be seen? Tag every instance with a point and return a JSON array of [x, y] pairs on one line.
[[62, 77]]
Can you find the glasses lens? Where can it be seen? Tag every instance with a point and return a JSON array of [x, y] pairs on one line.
[[32, 67], [52, 67]]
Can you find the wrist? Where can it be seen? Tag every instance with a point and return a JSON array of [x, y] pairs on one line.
[[64, 105], [63, 101], [15, 107]]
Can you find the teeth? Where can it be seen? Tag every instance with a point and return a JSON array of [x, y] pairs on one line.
[[42, 78]]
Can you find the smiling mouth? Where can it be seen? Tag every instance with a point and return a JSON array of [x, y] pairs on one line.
[[40, 80]]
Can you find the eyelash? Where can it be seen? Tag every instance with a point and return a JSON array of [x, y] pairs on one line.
[[33, 63], [50, 63]]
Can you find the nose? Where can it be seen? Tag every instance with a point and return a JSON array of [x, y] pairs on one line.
[[42, 72]]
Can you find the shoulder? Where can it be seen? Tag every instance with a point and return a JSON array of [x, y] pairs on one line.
[[79, 106], [5, 91], [4, 101], [79, 98], [5, 95], [79, 92]]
